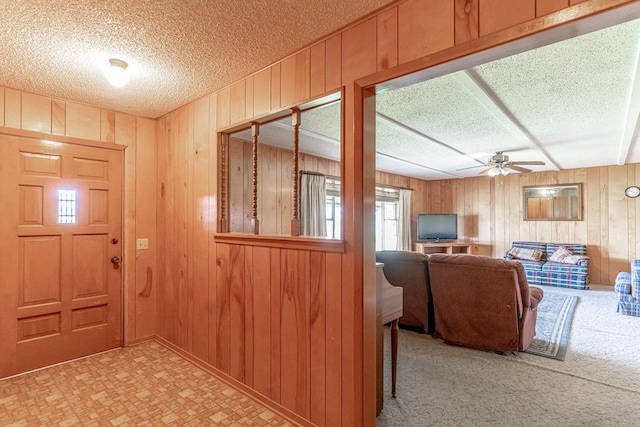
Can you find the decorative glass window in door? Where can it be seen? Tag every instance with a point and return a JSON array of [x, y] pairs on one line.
[[66, 206]]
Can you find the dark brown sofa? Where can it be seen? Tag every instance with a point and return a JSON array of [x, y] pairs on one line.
[[483, 302], [409, 271]]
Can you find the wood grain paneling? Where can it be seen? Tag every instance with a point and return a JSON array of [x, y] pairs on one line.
[[107, 126], [36, 113], [295, 78], [213, 224], [58, 117], [222, 308], [466, 21], [83, 121], [545, 7], [285, 192], [201, 226], [126, 129], [317, 83], [162, 143], [262, 92], [275, 286], [145, 227], [609, 217], [1, 106], [497, 15], [333, 63], [249, 332], [248, 95], [295, 332], [276, 87], [223, 117], [237, 307], [318, 321], [281, 287], [12, 108], [359, 51], [261, 321], [237, 101], [269, 179], [424, 27], [387, 23]]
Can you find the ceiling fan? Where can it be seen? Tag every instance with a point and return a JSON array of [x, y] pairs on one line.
[[499, 163]]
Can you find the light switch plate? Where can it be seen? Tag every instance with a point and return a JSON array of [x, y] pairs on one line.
[[142, 243]]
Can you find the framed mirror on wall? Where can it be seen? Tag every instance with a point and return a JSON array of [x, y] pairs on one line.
[[561, 202]]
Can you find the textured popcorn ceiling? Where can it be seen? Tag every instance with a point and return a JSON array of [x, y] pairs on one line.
[[177, 50], [570, 104]]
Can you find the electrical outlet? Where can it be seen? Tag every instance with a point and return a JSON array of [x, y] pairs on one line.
[[142, 244]]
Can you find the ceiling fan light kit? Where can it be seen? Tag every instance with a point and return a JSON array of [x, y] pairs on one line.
[[499, 163], [497, 171]]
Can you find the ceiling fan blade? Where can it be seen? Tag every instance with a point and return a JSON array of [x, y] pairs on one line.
[[517, 168], [533, 162], [472, 167], [483, 171]]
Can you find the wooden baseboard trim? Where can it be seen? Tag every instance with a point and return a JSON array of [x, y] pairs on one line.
[[275, 407], [137, 341]]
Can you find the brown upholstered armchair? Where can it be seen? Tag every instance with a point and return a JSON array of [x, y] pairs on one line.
[[409, 271], [483, 302]]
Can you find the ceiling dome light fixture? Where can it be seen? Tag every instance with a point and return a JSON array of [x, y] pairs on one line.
[[117, 72]]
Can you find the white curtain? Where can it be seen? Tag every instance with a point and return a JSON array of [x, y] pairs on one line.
[[313, 217], [404, 220]]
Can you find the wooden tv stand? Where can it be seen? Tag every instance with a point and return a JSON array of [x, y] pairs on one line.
[[443, 248]]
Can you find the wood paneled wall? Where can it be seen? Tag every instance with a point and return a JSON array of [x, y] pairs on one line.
[[207, 306], [275, 185], [490, 212], [207, 293], [58, 118]]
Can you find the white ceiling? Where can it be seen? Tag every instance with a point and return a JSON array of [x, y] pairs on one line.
[[570, 104], [177, 50]]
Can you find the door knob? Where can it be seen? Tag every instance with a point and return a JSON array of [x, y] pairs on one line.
[[115, 260]]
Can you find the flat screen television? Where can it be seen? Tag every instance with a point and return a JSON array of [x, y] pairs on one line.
[[437, 227]]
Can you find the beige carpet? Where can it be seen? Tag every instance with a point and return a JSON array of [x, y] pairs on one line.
[[598, 383]]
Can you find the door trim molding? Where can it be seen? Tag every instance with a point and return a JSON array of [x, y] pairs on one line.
[[60, 138]]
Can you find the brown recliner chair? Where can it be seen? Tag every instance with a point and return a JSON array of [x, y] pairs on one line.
[[409, 270], [484, 303]]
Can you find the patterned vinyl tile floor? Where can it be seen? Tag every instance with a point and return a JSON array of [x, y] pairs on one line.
[[143, 385]]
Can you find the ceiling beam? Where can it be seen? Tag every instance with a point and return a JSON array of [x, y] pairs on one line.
[[480, 90], [631, 129], [379, 153], [413, 132], [418, 165]]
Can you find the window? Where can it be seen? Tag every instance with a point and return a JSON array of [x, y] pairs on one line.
[[66, 206], [333, 209], [333, 217], [386, 215], [386, 225]]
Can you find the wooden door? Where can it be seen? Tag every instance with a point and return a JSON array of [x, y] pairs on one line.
[[60, 246]]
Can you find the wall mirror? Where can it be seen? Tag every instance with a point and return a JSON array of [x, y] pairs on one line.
[[553, 202], [279, 190]]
